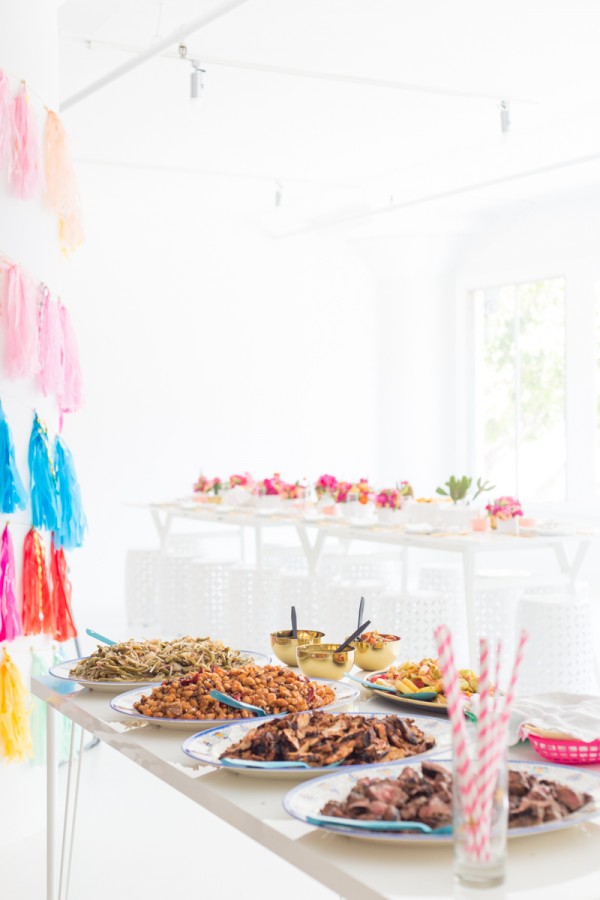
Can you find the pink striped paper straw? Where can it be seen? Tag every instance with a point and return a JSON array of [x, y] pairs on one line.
[[488, 775], [462, 765], [485, 732]]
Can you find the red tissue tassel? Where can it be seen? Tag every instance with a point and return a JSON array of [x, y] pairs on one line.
[[61, 595], [38, 611]]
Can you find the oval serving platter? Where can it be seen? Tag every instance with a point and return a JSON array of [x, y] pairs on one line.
[[345, 696], [62, 670], [305, 801], [208, 746]]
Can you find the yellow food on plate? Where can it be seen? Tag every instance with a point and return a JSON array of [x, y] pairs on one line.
[[426, 675]]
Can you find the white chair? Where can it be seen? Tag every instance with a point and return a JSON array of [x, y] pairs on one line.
[[560, 654], [142, 587]]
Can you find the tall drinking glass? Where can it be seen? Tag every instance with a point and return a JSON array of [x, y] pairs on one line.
[[480, 839]]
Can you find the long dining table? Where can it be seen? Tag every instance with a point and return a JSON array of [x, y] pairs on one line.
[[550, 866], [567, 551]]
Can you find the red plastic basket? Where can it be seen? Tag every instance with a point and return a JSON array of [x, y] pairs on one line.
[[568, 752]]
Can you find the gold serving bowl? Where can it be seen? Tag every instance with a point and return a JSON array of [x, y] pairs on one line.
[[284, 645], [320, 660], [374, 657]]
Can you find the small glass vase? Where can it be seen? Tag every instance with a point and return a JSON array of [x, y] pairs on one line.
[[479, 862]]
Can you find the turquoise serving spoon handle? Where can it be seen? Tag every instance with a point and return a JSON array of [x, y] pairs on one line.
[[270, 764], [99, 637], [371, 686], [237, 704], [378, 825], [425, 696]]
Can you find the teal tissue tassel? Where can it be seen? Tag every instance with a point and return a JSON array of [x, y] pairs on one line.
[[39, 666], [12, 491], [72, 523], [44, 499]]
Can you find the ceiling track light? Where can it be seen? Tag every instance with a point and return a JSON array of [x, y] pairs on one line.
[[196, 82], [504, 108]]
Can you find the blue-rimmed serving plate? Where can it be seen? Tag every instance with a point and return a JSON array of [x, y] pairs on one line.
[[208, 746], [63, 671], [307, 800], [345, 697]]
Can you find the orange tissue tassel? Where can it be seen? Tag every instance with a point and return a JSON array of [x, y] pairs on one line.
[[38, 611], [61, 595]]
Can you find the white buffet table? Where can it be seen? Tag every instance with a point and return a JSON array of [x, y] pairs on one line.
[[552, 866], [568, 552]]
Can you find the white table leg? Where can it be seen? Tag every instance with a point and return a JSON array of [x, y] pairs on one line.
[[163, 527], [469, 583], [65, 831], [312, 552], [404, 572], [74, 822], [258, 545], [51, 772], [571, 569]]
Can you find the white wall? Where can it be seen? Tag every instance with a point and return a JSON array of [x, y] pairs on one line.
[[28, 235], [207, 345]]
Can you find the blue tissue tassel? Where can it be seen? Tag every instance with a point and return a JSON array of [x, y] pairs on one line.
[[12, 491], [44, 499], [71, 523]]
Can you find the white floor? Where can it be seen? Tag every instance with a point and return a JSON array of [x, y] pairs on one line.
[[136, 837]]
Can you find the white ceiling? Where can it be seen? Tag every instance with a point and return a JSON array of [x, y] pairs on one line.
[[339, 147]]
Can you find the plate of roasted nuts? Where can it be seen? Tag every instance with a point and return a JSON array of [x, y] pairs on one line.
[[186, 704]]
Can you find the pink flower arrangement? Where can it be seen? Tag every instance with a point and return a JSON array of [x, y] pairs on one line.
[[364, 489], [326, 484], [271, 486], [504, 508], [405, 489], [342, 490], [244, 480], [206, 485], [292, 491], [390, 498]]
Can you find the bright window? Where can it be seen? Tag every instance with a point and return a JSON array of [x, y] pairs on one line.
[[520, 387]]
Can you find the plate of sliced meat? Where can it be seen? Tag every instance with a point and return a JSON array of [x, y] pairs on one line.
[[541, 798], [305, 744]]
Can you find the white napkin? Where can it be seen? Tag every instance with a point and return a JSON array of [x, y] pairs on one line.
[[559, 714]]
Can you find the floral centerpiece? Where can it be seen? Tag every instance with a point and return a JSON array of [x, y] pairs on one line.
[[270, 487], [342, 491], [245, 481], [389, 498], [405, 489], [504, 508], [504, 513], [388, 502], [295, 491], [208, 489], [326, 484]]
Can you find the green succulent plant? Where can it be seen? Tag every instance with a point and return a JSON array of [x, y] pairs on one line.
[[482, 486], [458, 488]]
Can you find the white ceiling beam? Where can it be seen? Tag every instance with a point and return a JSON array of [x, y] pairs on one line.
[[340, 78], [175, 37]]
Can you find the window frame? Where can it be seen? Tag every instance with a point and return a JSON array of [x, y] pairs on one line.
[[581, 278]]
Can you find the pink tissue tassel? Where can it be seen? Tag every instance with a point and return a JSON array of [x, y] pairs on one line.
[[51, 348], [71, 398], [10, 620], [25, 166], [5, 123], [62, 194], [21, 348]]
